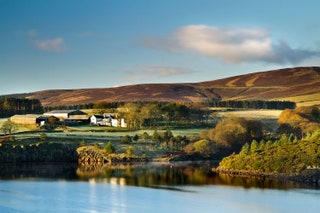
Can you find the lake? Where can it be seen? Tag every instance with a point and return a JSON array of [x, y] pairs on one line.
[[150, 187]]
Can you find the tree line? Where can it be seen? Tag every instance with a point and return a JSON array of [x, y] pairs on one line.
[[10, 106], [154, 114], [253, 104]]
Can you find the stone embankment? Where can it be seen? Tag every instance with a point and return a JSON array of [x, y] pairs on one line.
[[309, 176], [89, 155]]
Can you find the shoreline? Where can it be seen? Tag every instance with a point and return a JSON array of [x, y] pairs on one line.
[[310, 176]]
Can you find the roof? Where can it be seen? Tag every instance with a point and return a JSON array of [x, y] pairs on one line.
[[46, 116], [98, 116], [26, 116], [61, 111], [65, 111]]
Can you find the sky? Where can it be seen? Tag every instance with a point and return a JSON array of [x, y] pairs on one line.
[[71, 44]]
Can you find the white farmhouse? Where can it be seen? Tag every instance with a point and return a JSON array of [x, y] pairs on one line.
[[107, 119], [95, 119]]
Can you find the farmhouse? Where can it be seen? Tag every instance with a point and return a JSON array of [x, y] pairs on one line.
[[107, 119], [95, 119]]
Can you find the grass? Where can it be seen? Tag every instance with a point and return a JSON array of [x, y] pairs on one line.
[[271, 114], [306, 100]]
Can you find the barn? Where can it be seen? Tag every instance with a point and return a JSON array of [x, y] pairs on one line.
[[65, 114], [24, 119]]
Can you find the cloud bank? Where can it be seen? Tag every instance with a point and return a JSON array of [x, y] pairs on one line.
[[231, 45], [51, 45]]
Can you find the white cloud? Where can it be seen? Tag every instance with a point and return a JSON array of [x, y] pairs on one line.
[[164, 71], [51, 45], [232, 45], [156, 71], [32, 33]]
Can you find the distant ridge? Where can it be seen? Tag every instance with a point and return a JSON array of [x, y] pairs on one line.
[[299, 84]]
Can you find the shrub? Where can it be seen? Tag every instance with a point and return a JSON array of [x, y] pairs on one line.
[[145, 136], [126, 139], [43, 137], [129, 150], [204, 147], [109, 148], [135, 138]]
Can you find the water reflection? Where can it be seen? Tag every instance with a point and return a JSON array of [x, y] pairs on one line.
[[22, 171], [155, 175]]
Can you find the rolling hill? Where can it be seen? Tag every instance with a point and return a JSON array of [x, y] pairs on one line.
[[300, 84]]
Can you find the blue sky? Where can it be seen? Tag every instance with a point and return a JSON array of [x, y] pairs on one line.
[[59, 44]]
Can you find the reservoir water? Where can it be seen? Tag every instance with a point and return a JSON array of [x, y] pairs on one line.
[[146, 188]]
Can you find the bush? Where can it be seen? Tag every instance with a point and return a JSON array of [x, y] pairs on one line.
[[129, 150], [43, 137], [235, 132], [145, 136], [126, 139], [109, 148], [204, 147], [135, 138]]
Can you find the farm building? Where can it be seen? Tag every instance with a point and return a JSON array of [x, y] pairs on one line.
[[64, 114], [24, 119], [46, 119], [115, 119], [94, 119], [107, 119]]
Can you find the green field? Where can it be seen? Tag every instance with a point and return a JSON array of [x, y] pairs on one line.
[[306, 100]]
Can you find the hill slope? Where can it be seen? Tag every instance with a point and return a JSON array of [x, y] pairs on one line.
[[301, 84]]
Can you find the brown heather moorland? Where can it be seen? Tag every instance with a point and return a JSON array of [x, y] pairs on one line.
[[299, 84]]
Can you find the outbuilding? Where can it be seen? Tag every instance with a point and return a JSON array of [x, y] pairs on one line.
[[64, 114], [46, 120], [24, 119]]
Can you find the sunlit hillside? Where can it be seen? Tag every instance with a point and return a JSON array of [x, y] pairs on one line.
[[301, 84]]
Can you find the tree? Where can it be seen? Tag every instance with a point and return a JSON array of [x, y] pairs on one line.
[[145, 136], [229, 131], [204, 147], [126, 139], [135, 138], [8, 127], [156, 136], [109, 148], [234, 132], [167, 135], [52, 121], [129, 150], [300, 121], [254, 146], [43, 137], [132, 113]]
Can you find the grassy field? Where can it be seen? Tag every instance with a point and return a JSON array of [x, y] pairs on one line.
[[271, 114], [306, 100]]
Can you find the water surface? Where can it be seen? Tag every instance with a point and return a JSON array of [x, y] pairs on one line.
[[146, 188]]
